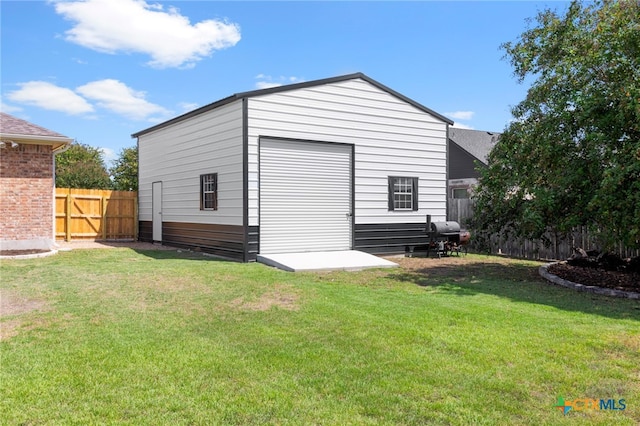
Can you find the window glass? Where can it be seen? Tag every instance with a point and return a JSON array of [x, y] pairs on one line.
[[460, 193], [209, 191], [403, 193]]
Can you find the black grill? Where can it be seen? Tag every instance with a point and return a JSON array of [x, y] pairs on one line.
[[445, 238], [441, 229]]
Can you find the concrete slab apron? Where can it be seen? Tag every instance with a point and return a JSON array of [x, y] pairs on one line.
[[347, 260]]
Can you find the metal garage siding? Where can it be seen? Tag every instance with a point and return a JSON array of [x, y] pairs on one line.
[[305, 196], [179, 153], [391, 138]]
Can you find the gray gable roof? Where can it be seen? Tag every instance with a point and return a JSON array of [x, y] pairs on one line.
[[15, 129], [478, 143], [253, 93], [16, 126]]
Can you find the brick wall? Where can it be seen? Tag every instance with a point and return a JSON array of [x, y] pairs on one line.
[[26, 192]]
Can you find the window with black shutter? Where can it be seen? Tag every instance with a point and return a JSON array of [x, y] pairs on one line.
[[403, 193]]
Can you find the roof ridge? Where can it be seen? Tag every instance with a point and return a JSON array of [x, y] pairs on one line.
[[287, 87]]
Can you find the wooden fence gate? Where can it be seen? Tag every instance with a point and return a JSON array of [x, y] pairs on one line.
[[96, 214], [460, 210]]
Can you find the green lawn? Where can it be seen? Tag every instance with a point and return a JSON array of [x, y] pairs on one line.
[[158, 337]]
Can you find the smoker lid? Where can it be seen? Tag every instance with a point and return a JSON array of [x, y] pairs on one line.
[[445, 228]]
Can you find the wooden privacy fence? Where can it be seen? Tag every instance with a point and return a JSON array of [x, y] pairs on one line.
[[461, 210], [96, 214], [558, 249]]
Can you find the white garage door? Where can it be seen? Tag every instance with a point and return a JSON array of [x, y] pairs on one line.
[[305, 196]]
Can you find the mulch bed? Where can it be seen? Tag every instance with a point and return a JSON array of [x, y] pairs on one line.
[[597, 277], [21, 252]]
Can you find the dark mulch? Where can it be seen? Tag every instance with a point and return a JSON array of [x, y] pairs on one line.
[[597, 277], [21, 252]]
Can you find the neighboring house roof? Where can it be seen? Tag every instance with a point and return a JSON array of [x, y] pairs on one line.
[[476, 142], [278, 89], [13, 129]]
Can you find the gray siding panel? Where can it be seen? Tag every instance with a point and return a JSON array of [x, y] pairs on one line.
[[221, 240], [389, 238], [145, 231], [179, 153], [252, 247], [391, 138], [462, 165]]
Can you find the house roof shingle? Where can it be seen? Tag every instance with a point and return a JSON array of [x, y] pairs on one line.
[[22, 131], [13, 125], [476, 142]]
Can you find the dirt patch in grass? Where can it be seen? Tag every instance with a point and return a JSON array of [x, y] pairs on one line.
[[279, 297], [459, 268], [462, 259], [13, 305], [90, 244], [9, 253], [463, 267], [630, 341]]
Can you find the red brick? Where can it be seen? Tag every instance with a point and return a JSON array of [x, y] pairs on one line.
[[26, 192]]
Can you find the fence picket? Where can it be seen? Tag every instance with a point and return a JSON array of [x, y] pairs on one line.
[[91, 214], [461, 210]]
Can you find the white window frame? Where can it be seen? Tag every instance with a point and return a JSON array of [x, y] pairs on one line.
[[208, 186], [403, 193], [458, 190]]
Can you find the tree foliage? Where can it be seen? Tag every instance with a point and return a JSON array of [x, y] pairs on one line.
[[125, 170], [571, 155], [82, 166]]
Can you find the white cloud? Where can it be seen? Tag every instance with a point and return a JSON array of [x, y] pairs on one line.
[[109, 156], [121, 99], [49, 96], [188, 106], [462, 126], [266, 81], [460, 115], [109, 94], [266, 84], [170, 39], [9, 108]]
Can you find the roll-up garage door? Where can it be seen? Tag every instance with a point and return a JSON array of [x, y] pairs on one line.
[[305, 196]]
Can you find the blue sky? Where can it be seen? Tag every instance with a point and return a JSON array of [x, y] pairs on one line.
[[99, 70]]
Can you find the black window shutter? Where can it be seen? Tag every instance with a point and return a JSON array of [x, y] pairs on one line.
[[215, 191], [390, 182], [414, 189], [201, 192]]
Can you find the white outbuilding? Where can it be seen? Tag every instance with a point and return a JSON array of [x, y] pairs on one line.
[[343, 163]]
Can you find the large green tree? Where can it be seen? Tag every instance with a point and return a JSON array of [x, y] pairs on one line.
[[125, 170], [82, 166], [571, 155]]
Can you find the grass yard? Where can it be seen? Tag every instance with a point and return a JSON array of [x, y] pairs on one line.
[[159, 337]]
